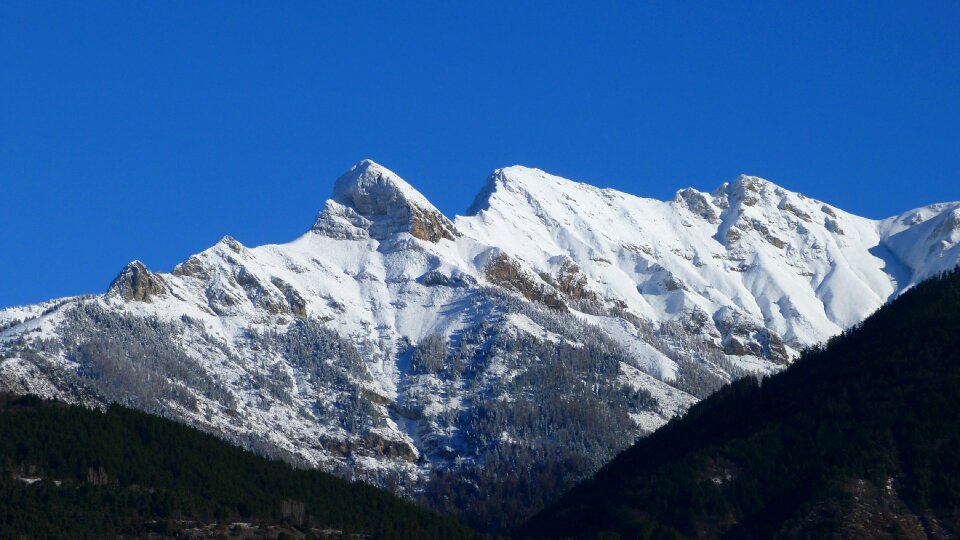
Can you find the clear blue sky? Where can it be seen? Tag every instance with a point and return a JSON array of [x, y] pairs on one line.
[[147, 130]]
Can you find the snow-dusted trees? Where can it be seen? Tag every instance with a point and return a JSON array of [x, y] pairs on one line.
[[135, 360], [526, 416], [429, 356], [324, 356]]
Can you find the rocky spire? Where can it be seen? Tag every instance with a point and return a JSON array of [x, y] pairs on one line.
[[136, 283]]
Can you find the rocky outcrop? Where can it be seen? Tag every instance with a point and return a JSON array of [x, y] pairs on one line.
[[506, 272], [793, 209], [697, 204], [571, 281], [298, 306], [431, 226], [258, 293], [385, 204], [342, 222], [744, 189], [740, 336], [192, 267], [743, 225], [232, 244], [136, 283], [370, 444], [832, 226]]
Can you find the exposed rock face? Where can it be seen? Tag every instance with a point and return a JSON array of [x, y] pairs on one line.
[[430, 226], [697, 203], [788, 207], [136, 283], [386, 205], [372, 445], [571, 281], [342, 222], [671, 283], [232, 244], [746, 190], [832, 226], [735, 233], [260, 294], [506, 272], [298, 306], [192, 267], [742, 337], [390, 449]]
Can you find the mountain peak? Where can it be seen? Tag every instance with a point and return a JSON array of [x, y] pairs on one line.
[[387, 204], [530, 178], [136, 283], [370, 188], [530, 182], [751, 190]]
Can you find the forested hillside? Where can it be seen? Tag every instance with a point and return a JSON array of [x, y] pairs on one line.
[[859, 439], [70, 472]]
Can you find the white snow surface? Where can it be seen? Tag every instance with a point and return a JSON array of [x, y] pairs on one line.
[[803, 268], [727, 266]]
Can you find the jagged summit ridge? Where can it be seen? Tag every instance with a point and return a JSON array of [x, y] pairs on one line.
[[508, 185], [377, 339], [374, 199]]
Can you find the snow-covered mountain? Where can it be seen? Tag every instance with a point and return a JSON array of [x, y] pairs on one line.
[[396, 343]]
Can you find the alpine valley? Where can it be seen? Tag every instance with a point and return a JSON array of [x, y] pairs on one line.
[[483, 364]]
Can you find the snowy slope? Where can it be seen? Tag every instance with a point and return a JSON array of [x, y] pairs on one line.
[[798, 266], [385, 338]]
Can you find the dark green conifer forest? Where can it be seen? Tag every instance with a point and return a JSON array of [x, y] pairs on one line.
[[860, 438], [70, 472]]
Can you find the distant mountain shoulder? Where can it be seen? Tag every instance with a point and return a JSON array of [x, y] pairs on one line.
[[858, 439]]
